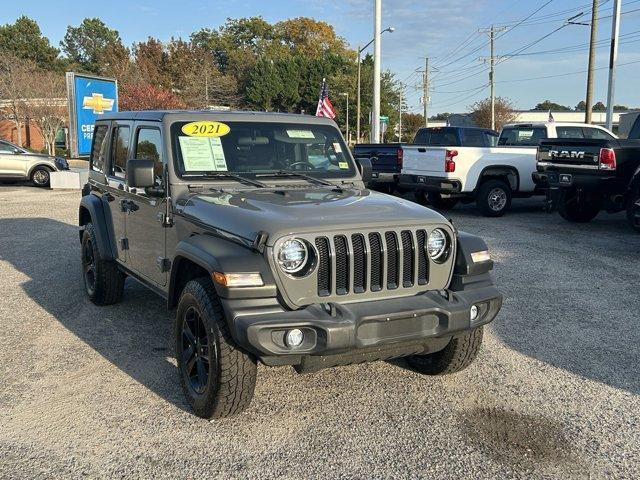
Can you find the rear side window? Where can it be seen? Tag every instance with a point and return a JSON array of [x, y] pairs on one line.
[[149, 147], [569, 132], [473, 138], [597, 134], [119, 152], [522, 136], [99, 148]]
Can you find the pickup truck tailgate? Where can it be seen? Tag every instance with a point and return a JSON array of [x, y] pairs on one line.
[[424, 160]]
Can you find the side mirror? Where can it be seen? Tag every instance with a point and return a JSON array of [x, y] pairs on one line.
[[17, 151], [364, 165], [140, 173]]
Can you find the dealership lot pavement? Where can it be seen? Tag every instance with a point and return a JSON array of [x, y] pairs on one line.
[[88, 391]]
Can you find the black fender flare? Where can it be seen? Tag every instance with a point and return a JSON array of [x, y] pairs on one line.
[[634, 183], [216, 254], [500, 171], [467, 273], [91, 207]]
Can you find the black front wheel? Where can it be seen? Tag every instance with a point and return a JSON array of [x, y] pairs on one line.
[[578, 207], [217, 377], [103, 281], [459, 353]]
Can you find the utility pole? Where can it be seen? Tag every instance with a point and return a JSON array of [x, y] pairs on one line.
[[492, 69], [592, 62], [377, 31], [358, 108], [425, 91], [613, 58]]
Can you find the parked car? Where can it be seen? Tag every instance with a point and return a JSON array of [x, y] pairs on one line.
[[490, 176], [17, 163], [387, 158], [584, 177], [270, 255]]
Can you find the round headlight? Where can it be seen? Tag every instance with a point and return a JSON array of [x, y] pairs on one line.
[[438, 244], [292, 256]]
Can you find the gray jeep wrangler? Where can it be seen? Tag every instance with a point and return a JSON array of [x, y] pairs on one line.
[[258, 230]]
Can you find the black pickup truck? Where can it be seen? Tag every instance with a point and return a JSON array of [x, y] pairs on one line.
[[386, 158], [584, 176]]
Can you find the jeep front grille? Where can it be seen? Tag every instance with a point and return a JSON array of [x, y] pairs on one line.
[[388, 260]]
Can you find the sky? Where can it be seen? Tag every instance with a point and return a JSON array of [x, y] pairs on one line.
[[445, 31]]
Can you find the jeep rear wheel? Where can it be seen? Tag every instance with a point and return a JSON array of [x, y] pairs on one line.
[[494, 198], [103, 281], [40, 177], [459, 353], [217, 377], [578, 208]]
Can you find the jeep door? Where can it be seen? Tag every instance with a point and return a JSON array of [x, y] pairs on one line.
[[146, 209], [12, 163], [116, 184]]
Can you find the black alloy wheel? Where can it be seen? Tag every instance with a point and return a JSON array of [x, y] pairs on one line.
[[89, 266], [196, 363]]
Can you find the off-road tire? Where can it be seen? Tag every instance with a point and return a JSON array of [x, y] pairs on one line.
[[232, 372], [633, 210], [494, 198], [108, 281], [459, 353], [578, 211], [441, 203], [41, 177]]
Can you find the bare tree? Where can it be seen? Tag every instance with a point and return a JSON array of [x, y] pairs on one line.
[[481, 112], [16, 85], [47, 108]]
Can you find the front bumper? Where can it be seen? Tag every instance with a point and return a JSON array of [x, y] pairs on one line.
[[429, 184], [337, 334]]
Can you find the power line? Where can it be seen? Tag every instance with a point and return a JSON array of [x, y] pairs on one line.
[[528, 79]]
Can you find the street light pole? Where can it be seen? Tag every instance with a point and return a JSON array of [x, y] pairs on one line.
[[346, 94], [359, 109], [613, 58], [377, 30]]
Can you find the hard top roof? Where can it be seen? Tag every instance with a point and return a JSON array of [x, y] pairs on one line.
[[239, 116]]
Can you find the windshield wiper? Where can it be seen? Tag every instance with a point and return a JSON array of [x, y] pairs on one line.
[[285, 173], [233, 176]]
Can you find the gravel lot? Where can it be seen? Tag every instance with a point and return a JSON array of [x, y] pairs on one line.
[[87, 391]]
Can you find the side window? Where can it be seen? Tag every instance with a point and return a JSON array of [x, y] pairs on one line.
[[569, 132], [597, 134], [149, 147], [119, 151], [472, 138], [99, 148]]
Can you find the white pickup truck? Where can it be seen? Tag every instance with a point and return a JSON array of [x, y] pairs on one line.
[[490, 176]]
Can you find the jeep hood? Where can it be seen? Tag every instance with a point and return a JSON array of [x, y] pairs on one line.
[[296, 211]]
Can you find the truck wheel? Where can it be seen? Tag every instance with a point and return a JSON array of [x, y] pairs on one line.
[[40, 177], [633, 211], [494, 198], [578, 209], [441, 203], [103, 281], [461, 351], [217, 378]]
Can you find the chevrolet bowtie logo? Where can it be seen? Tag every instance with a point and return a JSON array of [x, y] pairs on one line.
[[97, 103]]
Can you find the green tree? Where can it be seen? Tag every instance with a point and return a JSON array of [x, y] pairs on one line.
[[25, 40], [599, 107], [581, 106], [411, 122], [440, 117], [88, 44], [263, 87], [549, 105]]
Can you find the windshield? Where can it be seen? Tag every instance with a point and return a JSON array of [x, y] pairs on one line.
[[207, 147], [522, 136]]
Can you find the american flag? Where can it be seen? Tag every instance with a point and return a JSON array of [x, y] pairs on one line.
[[325, 108]]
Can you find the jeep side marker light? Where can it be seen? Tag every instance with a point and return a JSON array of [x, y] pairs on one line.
[[238, 279], [482, 256], [294, 338]]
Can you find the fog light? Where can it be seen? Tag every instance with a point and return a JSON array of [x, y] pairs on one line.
[[294, 338], [474, 312]]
